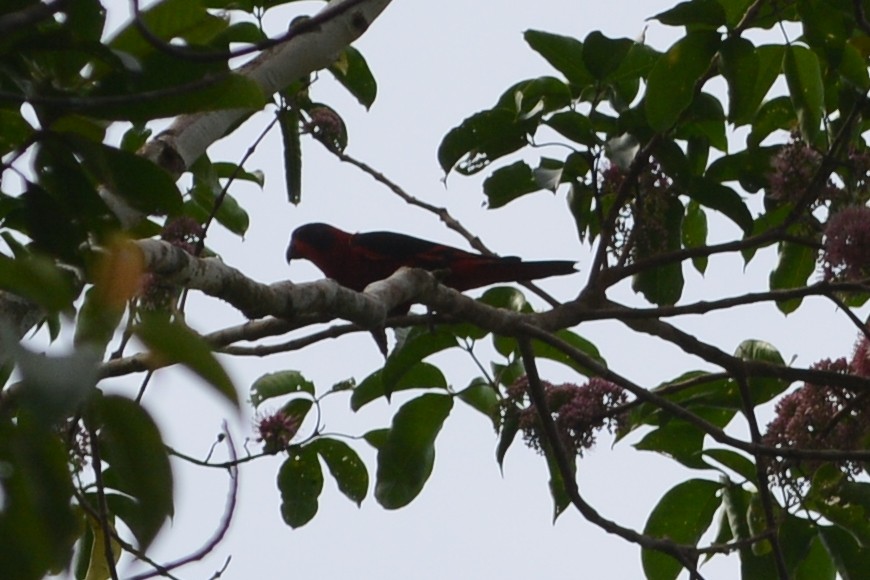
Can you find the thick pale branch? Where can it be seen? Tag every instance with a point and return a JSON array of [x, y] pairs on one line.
[[189, 136]]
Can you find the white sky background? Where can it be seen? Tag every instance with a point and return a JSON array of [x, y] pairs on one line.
[[437, 63]]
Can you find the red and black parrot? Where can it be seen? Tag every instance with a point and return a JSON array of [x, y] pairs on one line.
[[357, 260]]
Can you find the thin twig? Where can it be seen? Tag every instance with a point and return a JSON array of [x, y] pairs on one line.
[[218, 536], [102, 505]]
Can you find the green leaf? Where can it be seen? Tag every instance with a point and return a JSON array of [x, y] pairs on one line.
[[507, 345], [723, 199], [662, 285], [803, 75], [564, 53], [558, 492], [694, 14], [796, 264], [96, 322], [482, 396], [420, 376], [130, 442], [775, 114], [140, 182], [167, 20], [749, 167], [420, 343], [682, 515], [278, 384], [817, 564], [842, 502], [174, 343], [39, 280], [345, 466], [671, 84], [52, 387], [738, 61], [738, 463], [695, 233], [16, 130], [851, 560], [406, 458], [37, 523], [574, 126], [289, 120], [141, 104], [603, 56], [508, 183], [352, 71], [481, 139], [300, 481], [796, 536], [681, 440], [510, 426], [762, 389]]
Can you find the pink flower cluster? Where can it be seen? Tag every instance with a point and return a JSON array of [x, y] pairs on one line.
[[824, 417], [847, 244], [578, 411], [276, 431]]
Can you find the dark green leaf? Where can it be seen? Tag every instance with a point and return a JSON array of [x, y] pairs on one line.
[[574, 126], [176, 343], [16, 130], [806, 88], [507, 345], [851, 560], [705, 118], [682, 515], [662, 285], [842, 502], [738, 61], [289, 120], [420, 376], [482, 396], [776, 114], [710, 193], [762, 389], [796, 264], [300, 481], [564, 53], [672, 81], [694, 13], [232, 171], [406, 458], [37, 523], [602, 56], [817, 564], [377, 438], [558, 492], [420, 343], [749, 167], [345, 466], [167, 20], [796, 536], [140, 104], [738, 463], [140, 182], [38, 280], [96, 322], [481, 139], [130, 442], [508, 183], [352, 71], [509, 428], [695, 232], [278, 384]]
